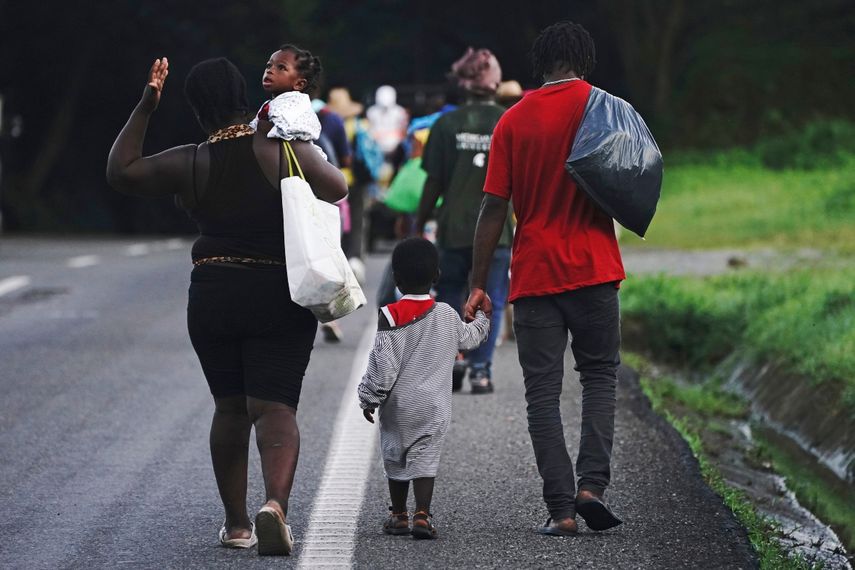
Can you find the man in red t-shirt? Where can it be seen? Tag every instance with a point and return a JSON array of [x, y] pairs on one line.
[[565, 272]]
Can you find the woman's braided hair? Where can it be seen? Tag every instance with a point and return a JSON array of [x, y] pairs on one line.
[[563, 44], [216, 90], [308, 65]]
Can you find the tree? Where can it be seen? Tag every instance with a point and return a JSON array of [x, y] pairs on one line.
[[648, 34]]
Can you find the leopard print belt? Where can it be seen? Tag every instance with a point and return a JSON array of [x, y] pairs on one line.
[[228, 259]]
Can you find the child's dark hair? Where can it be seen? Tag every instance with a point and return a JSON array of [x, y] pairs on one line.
[[415, 263], [216, 90], [308, 65], [563, 44]]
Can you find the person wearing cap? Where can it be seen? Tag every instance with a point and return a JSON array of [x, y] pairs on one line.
[[455, 159]]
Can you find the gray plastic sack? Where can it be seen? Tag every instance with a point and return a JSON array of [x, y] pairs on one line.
[[615, 160]]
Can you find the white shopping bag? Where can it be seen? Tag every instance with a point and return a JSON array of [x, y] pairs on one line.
[[319, 276]]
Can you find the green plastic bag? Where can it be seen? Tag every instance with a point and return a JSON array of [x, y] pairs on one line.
[[406, 189]]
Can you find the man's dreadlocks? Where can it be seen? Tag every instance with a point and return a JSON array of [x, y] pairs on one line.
[[563, 45]]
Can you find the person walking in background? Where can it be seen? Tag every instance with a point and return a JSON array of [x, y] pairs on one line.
[[565, 275], [408, 379], [455, 159], [363, 171], [252, 340], [404, 193], [388, 126], [332, 130], [332, 127]]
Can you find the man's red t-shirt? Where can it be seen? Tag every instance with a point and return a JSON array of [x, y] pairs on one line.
[[563, 240]]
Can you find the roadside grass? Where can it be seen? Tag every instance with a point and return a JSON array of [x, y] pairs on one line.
[[789, 192], [704, 400], [831, 500], [731, 199], [680, 406], [804, 319]]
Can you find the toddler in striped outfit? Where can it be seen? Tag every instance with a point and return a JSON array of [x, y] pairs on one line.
[[409, 380]]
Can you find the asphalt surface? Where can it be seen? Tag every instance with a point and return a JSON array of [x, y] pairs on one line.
[[104, 421]]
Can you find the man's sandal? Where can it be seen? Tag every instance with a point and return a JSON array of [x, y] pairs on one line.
[[595, 511], [563, 527]]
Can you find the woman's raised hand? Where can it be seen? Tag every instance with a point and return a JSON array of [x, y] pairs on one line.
[[156, 80]]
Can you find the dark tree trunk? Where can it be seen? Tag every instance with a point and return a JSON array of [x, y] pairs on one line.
[[647, 34], [56, 139]]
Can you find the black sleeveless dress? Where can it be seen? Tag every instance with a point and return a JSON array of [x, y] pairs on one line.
[[251, 339]]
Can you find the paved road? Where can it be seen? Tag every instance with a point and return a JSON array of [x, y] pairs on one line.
[[103, 439]]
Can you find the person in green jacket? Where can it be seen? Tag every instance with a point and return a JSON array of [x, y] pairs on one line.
[[455, 159]]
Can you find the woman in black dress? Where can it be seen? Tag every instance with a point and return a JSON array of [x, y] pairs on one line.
[[253, 342]]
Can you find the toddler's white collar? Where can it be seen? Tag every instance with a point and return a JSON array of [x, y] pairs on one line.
[[416, 297]]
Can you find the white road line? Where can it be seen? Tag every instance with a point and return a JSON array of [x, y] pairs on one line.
[[329, 540], [83, 261], [137, 249], [13, 283]]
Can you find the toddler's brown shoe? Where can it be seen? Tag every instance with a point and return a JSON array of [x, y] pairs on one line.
[[422, 527], [397, 523]]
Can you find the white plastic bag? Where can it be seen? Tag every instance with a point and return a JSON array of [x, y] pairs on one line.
[[319, 276]]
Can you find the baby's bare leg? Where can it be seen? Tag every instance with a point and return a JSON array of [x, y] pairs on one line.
[[423, 491]]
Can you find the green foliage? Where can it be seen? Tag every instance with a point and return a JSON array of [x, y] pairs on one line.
[[705, 400], [818, 145], [764, 67], [840, 202], [815, 145], [728, 199], [804, 319]]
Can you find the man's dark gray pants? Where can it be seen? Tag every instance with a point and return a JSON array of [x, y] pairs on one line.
[[592, 316]]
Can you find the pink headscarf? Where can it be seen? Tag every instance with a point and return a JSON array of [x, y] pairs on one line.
[[477, 72]]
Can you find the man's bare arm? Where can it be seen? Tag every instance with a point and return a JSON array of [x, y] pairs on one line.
[[491, 222]]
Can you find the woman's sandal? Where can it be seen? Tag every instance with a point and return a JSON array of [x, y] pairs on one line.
[[397, 523], [237, 542], [274, 536], [422, 527]]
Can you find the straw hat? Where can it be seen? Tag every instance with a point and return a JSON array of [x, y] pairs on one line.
[[509, 89], [339, 102]]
